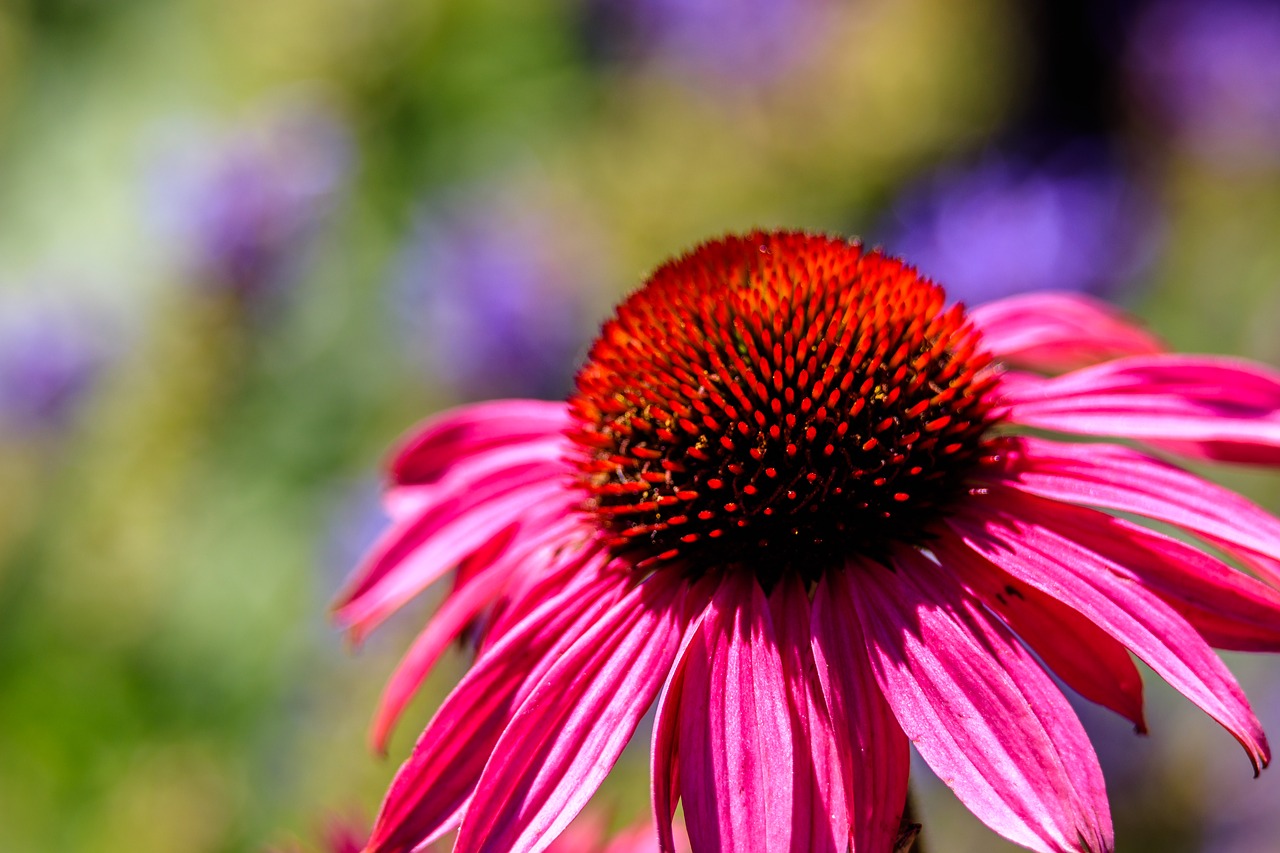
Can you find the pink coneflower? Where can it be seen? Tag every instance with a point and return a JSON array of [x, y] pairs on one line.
[[792, 501]]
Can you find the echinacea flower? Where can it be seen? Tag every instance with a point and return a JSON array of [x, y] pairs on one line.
[[793, 501]]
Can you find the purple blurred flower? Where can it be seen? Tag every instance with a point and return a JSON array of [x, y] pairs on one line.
[[1211, 71], [246, 206], [51, 351], [494, 293], [1005, 228], [731, 42]]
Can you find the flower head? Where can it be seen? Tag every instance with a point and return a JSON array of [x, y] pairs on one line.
[[792, 501]]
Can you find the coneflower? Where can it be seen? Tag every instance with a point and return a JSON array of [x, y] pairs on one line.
[[793, 500]]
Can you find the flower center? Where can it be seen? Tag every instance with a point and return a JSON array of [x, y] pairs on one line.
[[778, 401]]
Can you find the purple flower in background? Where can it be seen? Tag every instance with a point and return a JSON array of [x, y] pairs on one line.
[[494, 291], [1005, 228], [246, 206], [1211, 71], [734, 42], [51, 351]]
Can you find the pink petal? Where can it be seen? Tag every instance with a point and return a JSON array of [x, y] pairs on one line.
[[431, 789], [1217, 408], [1119, 478], [980, 710], [1053, 332], [1228, 608], [414, 554], [457, 611], [664, 768], [872, 749], [1084, 656], [571, 729], [436, 445], [820, 812], [1019, 535], [736, 762], [543, 459]]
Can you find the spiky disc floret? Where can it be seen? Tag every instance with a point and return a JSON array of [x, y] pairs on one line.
[[778, 401]]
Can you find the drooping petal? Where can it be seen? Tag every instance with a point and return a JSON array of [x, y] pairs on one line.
[[1120, 478], [1053, 332], [872, 750], [545, 457], [663, 763], [431, 789], [1084, 656], [1018, 534], [436, 445], [819, 809], [571, 729], [1213, 407], [457, 611], [414, 554], [980, 710], [736, 763], [1227, 607]]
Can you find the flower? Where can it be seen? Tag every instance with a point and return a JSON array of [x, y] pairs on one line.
[[52, 351], [793, 501], [247, 206], [1073, 223], [724, 43], [492, 291], [1211, 73]]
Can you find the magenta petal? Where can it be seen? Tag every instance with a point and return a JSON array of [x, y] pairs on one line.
[[1052, 332], [430, 790], [980, 710], [571, 729], [736, 763], [436, 445], [872, 749], [543, 458], [1217, 408], [414, 554], [1227, 607], [1019, 535], [1084, 656], [819, 808], [664, 766], [1119, 478], [458, 611]]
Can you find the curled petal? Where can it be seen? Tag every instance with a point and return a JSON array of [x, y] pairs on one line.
[[1084, 656], [1019, 534], [1123, 479], [1053, 332], [1212, 407], [1227, 607]]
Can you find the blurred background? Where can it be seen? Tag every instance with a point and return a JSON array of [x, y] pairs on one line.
[[245, 245]]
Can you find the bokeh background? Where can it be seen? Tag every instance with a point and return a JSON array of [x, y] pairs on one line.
[[244, 245]]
